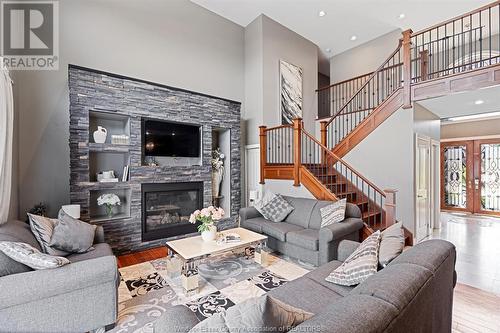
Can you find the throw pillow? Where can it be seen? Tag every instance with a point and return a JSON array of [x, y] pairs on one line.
[[268, 196], [72, 235], [43, 228], [333, 213], [360, 265], [392, 243], [29, 256], [261, 314], [277, 209]]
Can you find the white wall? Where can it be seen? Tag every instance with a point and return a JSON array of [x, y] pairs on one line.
[[470, 129], [364, 58], [386, 157], [426, 123], [172, 42], [286, 187]]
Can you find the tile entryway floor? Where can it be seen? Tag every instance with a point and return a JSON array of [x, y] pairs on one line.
[[477, 240]]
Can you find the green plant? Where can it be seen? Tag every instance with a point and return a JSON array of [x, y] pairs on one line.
[[39, 209]]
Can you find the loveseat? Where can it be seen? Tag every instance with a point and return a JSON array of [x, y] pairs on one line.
[[300, 235], [413, 293], [79, 297]]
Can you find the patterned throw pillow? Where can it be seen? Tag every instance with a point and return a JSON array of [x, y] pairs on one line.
[[392, 243], [268, 196], [361, 264], [43, 228], [72, 235], [277, 209], [333, 213], [29, 256]]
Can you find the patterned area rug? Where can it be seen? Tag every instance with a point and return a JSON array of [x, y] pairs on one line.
[[146, 291]]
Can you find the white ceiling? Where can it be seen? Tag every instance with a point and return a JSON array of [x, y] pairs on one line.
[[463, 104], [367, 19]]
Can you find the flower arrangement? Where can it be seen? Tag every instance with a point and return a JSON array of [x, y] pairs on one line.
[[109, 200], [207, 217]]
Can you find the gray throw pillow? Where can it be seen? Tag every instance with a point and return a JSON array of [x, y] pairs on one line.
[[260, 314], [392, 243], [277, 209], [333, 213], [360, 265], [29, 256], [72, 235], [43, 228]]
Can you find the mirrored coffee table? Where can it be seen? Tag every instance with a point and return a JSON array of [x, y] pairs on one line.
[[194, 250]]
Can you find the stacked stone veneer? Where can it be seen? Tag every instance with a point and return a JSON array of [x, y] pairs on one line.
[[91, 90]]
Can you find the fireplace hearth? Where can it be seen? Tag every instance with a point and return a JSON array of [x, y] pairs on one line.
[[166, 209]]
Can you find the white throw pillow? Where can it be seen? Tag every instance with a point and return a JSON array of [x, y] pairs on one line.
[[392, 243], [360, 265], [31, 257], [43, 228], [333, 213]]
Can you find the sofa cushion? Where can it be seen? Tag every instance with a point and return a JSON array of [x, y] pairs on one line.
[[279, 230], [100, 250], [43, 228], [302, 211], [306, 238], [255, 224], [277, 209], [72, 235], [315, 220], [319, 275], [29, 256], [392, 243], [360, 265], [15, 231], [429, 254], [333, 213]]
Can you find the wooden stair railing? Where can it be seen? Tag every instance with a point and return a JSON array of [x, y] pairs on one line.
[[289, 152]]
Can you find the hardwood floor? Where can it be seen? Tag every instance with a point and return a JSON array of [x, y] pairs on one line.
[[474, 310]]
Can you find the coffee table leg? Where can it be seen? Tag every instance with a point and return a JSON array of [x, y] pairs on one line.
[[189, 276], [261, 254]]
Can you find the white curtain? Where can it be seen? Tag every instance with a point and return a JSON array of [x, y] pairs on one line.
[[6, 137]]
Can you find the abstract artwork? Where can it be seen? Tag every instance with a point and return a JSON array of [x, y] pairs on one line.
[[290, 92]]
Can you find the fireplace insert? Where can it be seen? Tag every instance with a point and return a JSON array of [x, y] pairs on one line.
[[166, 209]]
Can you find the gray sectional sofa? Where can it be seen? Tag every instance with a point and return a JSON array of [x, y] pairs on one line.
[[300, 235], [414, 293], [79, 297]]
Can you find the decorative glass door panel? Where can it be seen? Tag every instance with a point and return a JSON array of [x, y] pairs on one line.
[[455, 176], [487, 176]]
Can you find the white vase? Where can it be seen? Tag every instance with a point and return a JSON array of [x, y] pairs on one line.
[[209, 235], [100, 135]]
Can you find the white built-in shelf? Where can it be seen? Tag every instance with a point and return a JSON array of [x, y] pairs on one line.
[[108, 147], [104, 218]]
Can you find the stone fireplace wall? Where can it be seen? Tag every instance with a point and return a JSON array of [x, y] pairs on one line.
[[95, 91]]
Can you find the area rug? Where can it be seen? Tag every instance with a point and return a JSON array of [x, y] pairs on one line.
[[146, 291]]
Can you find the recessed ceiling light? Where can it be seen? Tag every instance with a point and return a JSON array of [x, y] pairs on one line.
[[328, 50], [354, 37], [321, 13], [475, 116], [402, 16], [479, 102]]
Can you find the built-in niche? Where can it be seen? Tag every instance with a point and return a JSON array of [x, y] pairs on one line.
[[221, 141], [98, 213]]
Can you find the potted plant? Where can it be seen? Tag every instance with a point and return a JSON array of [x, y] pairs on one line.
[[207, 217], [109, 200]]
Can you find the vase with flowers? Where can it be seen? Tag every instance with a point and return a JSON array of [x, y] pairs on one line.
[[110, 201], [208, 217]]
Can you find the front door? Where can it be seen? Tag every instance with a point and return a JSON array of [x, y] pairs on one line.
[[422, 180], [470, 178]]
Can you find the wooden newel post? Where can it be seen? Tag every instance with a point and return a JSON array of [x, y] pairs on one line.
[[263, 152], [424, 65], [390, 207], [297, 150], [407, 68], [323, 134]]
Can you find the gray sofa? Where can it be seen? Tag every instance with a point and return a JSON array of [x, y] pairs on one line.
[[300, 235], [414, 293], [78, 297]]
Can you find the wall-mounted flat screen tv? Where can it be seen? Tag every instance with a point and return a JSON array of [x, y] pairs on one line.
[[169, 139]]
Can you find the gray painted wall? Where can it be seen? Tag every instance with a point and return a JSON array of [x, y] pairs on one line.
[[174, 42], [386, 158], [364, 58], [266, 42]]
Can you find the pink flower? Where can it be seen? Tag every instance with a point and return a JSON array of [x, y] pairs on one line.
[[216, 216], [211, 209], [205, 212], [222, 212], [192, 218], [196, 213]]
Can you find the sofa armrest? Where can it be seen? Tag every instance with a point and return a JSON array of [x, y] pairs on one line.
[[249, 213], [32, 286], [338, 230], [346, 248], [99, 235], [179, 319]]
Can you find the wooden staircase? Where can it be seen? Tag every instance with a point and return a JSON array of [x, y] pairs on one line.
[[450, 57]]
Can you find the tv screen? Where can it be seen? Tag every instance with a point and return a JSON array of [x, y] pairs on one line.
[[166, 139]]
